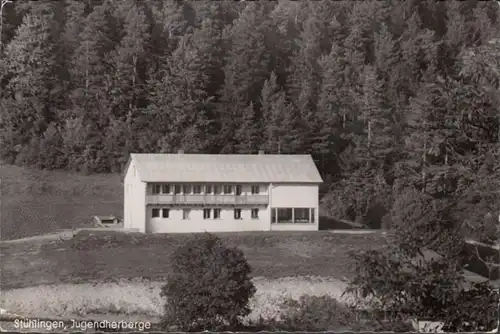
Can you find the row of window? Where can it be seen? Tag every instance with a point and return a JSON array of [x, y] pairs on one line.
[[207, 213], [292, 215], [215, 189]]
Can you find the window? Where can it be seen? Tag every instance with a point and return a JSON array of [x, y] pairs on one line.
[[312, 215], [237, 213], [301, 215], [206, 213], [155, 213], [186, 189], [284, 215], [273, 215], [156, 189], [238, 190], [185, 213], [228, 189], [255, 213], [165, 213], [208, 189], [177, 189], [165, 189], [217, 213], [217, 190], [255, 189], [196, 189]]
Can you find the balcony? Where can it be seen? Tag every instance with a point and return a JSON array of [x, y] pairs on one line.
[[207, 199]]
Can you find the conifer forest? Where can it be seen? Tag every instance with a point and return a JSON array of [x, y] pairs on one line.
[[398, 102]]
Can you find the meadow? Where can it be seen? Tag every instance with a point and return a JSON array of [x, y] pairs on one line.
[[110, 256], [35, 202], [118, 274]]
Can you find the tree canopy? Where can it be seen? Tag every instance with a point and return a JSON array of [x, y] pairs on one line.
[[385, 95]]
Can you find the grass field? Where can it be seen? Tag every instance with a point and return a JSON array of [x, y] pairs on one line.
[[36, 202], [113, 273], [111, 256]]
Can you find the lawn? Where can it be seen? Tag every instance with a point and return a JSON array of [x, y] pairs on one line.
[[113, 273], [36, 202], [111, 256]]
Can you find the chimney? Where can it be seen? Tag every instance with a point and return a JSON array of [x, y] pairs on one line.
[[261, 152], [180, 152]]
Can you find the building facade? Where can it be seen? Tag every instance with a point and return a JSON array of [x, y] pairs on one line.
[[185, 193]]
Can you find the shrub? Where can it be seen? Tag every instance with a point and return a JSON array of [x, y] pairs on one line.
[[210, 286], [408, 287], [313, 313]]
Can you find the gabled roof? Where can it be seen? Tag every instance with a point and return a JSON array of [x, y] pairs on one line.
[[230, 168]]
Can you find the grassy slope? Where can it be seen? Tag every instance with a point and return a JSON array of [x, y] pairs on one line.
[[109, 256], [36, 202]]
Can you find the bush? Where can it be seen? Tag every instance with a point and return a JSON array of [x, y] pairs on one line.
[[210, 286], [313, 313]]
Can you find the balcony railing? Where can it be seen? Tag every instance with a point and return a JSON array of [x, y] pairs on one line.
[[208, 199]]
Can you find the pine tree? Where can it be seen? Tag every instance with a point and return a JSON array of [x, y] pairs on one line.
[[249, 135], [245, 70], [32, 59]]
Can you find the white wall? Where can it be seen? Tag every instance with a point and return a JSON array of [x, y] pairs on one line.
[[295, 196], [196, 223], [134, 213]]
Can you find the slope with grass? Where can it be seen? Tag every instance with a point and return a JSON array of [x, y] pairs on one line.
[[110, 256], [35, 202]]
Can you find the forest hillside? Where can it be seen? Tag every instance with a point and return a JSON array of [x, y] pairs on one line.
[[397, 101]]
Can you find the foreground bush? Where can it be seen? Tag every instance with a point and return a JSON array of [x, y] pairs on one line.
[[210, 286], [313, 313]]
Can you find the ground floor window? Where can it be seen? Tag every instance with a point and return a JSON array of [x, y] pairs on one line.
[[206, 213], [217, 213], [285, 215], [160, 212], [155, 213], [185, 213], [292, 215], [255, 213], [237, 213], [301, 215]]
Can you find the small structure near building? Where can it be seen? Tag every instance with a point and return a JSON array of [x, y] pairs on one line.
[[105, 221], [427, 326]]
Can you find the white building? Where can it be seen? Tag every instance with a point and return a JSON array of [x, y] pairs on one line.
[[168, 193]]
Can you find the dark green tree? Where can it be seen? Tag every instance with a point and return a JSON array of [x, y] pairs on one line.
[[209, 288]]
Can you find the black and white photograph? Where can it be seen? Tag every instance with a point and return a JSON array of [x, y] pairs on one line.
[[249, 166]]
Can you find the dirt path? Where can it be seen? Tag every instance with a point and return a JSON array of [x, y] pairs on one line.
[[356, 232]]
